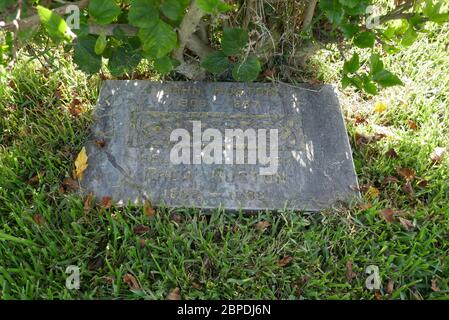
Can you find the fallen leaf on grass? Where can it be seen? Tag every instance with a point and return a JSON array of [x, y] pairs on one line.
[[70, 184], [390, 179], [434, 285], [38, 219], [148, 209], [88, 203], [106, 203], [380, 107], [381, 132], [407, 173], [81, 163], [408, 189], [131, 281], [33, 181], [349, 273], [141, 229], [407, 224], [412, 125], [377, 295], [388, 215], [285, 261], [176, 217], [362, 139], [437, 155], [390, 286], [262, 225], [359, 119], [75, 107], [423, 183], [365, 206], [391, 154], [142, 242], [197, 286], [372, 193], [175, 294]]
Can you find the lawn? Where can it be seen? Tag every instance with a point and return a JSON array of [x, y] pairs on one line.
[[401, 225]]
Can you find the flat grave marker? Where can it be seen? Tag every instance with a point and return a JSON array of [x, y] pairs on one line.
[[250, 146]]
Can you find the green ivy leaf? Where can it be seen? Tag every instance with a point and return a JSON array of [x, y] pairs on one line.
[[234, 40], [158, 40], [369, 86], [213, 6], [54, 24], [376, 64], [352, 65], [409, 37], [247, 70], [365, 39], [84, 55], [104, 11], [216, 62], [386, 79], [163, 65], [143, 13], [123, 60], [333, 9], [101, 44], [349, 30], [172, 9]]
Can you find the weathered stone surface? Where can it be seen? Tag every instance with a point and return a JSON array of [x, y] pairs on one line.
[[136, 118]]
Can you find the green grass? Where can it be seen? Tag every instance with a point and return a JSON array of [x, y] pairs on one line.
[[223, 256]]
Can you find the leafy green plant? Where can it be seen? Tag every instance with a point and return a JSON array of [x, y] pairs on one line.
[[121, 33]]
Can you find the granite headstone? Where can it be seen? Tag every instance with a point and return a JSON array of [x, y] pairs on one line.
[[136, 150]]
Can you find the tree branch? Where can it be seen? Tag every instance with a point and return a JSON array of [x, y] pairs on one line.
[[35, 20], [187, 28], [310, 11]]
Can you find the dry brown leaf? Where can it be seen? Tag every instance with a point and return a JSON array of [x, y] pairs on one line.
[[377, 295], [407, 173], [141, 229], [175, 294], [33, 181], [365, 206], [142, 242], [362, 139], [38, 219], [262, 225], [423, 183], [412, 125], [148, 209], [390, 179], [349, 273], [388, 215], [391, 154], [81, 163], [359, 119], [176, 217], [390, 286], [437, 155], [106, 203], [75, 107], [407, 224], [269, 73], [408, 189], [285, 261], [434, 285], [197, 286], [70, 184], [131, 281], [100, 144], [88, 203], [384, 132]]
